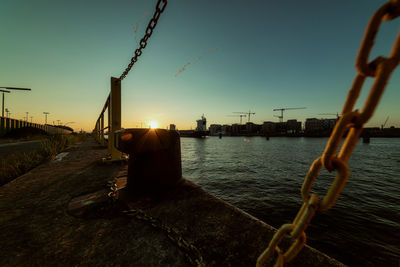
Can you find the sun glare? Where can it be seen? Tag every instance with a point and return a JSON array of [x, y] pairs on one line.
[[153, 124]]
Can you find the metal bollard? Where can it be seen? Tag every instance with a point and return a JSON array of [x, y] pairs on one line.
[[154, 164]]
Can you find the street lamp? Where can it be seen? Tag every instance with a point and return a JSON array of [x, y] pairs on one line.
[[45, 117], [5, 91]]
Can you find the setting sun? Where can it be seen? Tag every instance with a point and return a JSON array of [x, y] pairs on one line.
[[153, 124]]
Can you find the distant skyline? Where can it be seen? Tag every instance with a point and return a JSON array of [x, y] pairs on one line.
[[204, 57]]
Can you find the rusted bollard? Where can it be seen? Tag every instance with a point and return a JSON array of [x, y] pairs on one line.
[[154, 164]]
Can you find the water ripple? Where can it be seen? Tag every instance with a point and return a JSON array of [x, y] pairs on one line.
[[264, 178]]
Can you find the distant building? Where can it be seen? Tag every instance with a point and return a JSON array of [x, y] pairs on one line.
[[250, 127], [281, 128], [172, 127], [319, 127], [215, 129], [293, 126], [226, 129], [268, 127], [313, 125], [235, 130], [202, 124], [329, 123]]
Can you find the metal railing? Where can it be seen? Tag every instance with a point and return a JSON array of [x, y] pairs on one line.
[[113, 109]]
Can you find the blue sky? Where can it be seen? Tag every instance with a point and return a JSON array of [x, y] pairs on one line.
[[255, 55]]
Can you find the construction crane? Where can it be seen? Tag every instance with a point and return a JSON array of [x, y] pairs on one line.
[[331, 114], [383, 125], [239, 115], [247, 113], [283, 109]]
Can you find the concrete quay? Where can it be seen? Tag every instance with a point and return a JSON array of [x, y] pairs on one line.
[[59, 214]]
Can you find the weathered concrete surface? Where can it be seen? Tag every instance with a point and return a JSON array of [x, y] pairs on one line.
[[36, 228]]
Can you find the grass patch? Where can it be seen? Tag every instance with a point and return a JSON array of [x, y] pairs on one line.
[[17, 164], [23, 134]]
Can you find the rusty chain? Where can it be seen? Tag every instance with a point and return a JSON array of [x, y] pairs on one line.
[[161, 4], [191, 253], [380, 68]]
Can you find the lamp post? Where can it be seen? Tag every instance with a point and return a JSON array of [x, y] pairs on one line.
[[6, 91], [45, 117], [3, 91], [27, 116]]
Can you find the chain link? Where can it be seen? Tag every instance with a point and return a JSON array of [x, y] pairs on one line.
[[161, 4], [380, 69], [113, 193]]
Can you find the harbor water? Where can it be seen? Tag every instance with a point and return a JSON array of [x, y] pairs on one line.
[[264, 179]]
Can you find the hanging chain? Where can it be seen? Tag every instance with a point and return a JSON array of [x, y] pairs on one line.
[[161, 4], [380, 68]]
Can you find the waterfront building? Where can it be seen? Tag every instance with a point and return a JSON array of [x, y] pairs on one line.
[[319, 127], [226, 129], [268, 128], [215, 129], [313, 125], [281, 128], [172, 127], [293, 126], [235, 130], [201, 124], [250, 128]]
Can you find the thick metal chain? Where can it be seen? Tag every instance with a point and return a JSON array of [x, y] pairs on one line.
[[191, 253], [380, 68], [161, 4]]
